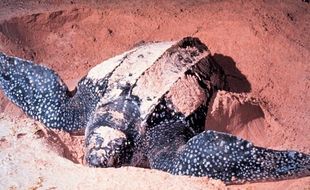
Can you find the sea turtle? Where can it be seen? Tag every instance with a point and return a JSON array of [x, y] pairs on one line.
[[147, 107]]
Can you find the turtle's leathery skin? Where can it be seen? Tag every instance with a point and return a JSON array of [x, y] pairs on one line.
[[41, 94], [114, 124], [147, 107], [219, 156]]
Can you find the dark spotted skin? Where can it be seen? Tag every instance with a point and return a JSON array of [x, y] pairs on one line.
[[117, 135], [36, 89], [116, 153], [41, 93], [219, 156], [122, 115]]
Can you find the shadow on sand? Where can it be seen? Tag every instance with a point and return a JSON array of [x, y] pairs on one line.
[[236, 81]]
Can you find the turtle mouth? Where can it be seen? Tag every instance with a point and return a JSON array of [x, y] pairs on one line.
[[103, 158]]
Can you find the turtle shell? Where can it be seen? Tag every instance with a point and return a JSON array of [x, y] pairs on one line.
[[156, 83], [167, 78]]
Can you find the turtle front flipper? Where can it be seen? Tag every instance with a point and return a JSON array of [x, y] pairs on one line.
[[40, 93], [222, 156], [36, 89]]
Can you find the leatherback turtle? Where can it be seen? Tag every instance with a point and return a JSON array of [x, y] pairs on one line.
[[147, 107]]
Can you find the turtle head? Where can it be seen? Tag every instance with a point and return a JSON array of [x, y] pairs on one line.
[[106, 147]]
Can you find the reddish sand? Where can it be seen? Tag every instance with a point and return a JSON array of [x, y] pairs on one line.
[[263, 47]]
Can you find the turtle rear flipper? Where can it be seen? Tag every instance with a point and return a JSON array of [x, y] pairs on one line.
[[40, 93], [225, 157]]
